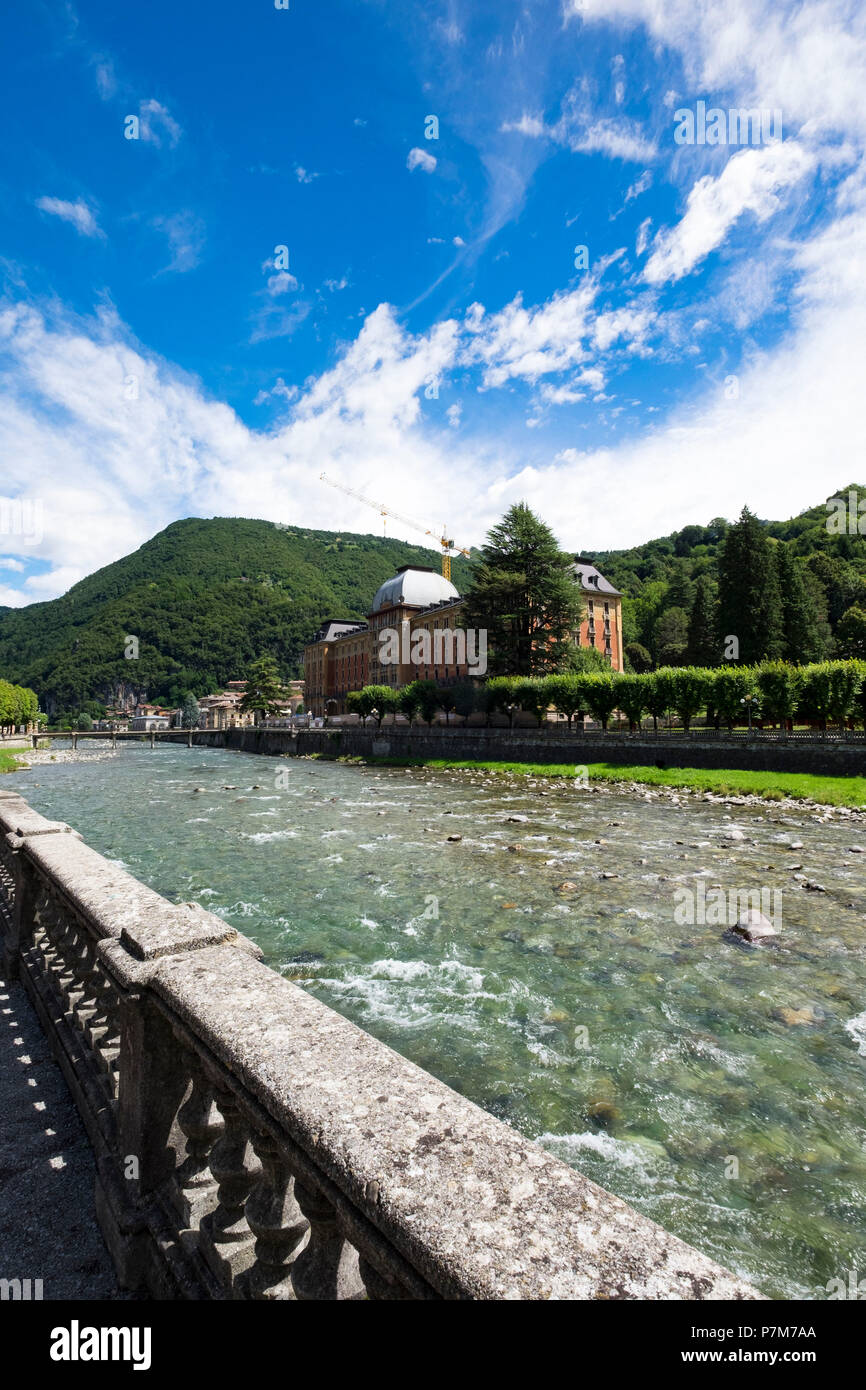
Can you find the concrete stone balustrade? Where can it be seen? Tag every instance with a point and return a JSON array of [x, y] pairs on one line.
[[253, 1144]]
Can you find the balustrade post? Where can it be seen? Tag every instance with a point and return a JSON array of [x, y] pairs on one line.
[[152, 1079], [226, 1238], [200, 1122], [327, 1267], [20, 936], [279, 1225]]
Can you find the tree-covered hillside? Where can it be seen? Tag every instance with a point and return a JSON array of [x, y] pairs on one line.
[[204, 598], [673, 608]]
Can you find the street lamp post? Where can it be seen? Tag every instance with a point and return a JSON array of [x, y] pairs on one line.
[[748, 701]]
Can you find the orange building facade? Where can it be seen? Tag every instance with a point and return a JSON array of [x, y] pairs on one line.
[[345, 655]]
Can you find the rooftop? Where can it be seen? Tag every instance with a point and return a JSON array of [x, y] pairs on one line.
[[414, 586], [591, 579]]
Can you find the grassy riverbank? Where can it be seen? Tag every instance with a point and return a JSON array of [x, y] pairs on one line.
[[772, 786], [9, 759]]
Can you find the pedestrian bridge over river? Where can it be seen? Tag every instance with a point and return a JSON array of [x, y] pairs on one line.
[[251, 1143]]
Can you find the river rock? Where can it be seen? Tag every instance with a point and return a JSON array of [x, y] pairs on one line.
[[604, 1113], [753, 926], [795, 1017], [566, 887], [734, 834], [453, 839]]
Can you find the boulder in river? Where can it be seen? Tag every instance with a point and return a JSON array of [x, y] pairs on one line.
[[796, 1017], [753, 926]]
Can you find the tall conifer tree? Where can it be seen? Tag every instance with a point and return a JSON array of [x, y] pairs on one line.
[[801, 641], [750, 605], [525, 596], [703, 645]]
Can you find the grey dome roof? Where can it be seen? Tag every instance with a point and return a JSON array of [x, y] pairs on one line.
[[418, 588]]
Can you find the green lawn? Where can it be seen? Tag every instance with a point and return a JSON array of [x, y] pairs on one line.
[[9, 759], [829, 791]]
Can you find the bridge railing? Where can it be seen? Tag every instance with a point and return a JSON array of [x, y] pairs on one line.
[[253, 1144]]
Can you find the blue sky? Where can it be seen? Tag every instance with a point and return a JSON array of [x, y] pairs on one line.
[[432, 341]]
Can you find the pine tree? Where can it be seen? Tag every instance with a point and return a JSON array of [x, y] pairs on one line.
[[750, 605], [191, 712], [800, 638], [264, 693], [525, 596], [671, 637], [681, 590], [703, 647]]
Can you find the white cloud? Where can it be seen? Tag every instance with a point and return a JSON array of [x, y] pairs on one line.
[[112, 471], [642, 239], [186, 237], [279, 388], [157, 125], [421, 159], [639, 186], [458, 241], [281, 283], [454, 414], [303, 175], [750, 182], [617, 137], [78, 214], [807, 59], [106, 82], [528, 343], [527, 125], [271, 320]]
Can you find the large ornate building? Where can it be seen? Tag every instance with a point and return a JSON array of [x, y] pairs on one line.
[[345, 655]]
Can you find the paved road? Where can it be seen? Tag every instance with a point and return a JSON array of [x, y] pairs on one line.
[[48, 1227]]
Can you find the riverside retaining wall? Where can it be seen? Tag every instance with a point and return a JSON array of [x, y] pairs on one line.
[[816, 755]]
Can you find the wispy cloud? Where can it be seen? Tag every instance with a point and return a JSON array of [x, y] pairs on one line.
[[157, 126], [77, 214], [185, 233], [751, 182]]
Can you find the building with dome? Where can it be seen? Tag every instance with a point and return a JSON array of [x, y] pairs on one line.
[[344, 654]]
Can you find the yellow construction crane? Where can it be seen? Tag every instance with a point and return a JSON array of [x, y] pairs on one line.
[[444, 540]]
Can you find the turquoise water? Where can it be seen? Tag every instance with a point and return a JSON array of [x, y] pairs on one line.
[[716, 1087]]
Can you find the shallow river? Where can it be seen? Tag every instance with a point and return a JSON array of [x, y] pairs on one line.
[[717, 1087]]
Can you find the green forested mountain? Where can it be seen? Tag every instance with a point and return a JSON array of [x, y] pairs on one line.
[[204, 598], [673, 607]]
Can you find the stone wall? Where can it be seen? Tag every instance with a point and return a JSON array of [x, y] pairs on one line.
[[253, 1144], [820, 756]]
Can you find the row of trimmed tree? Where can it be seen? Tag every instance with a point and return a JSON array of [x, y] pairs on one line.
[[775, 692]]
